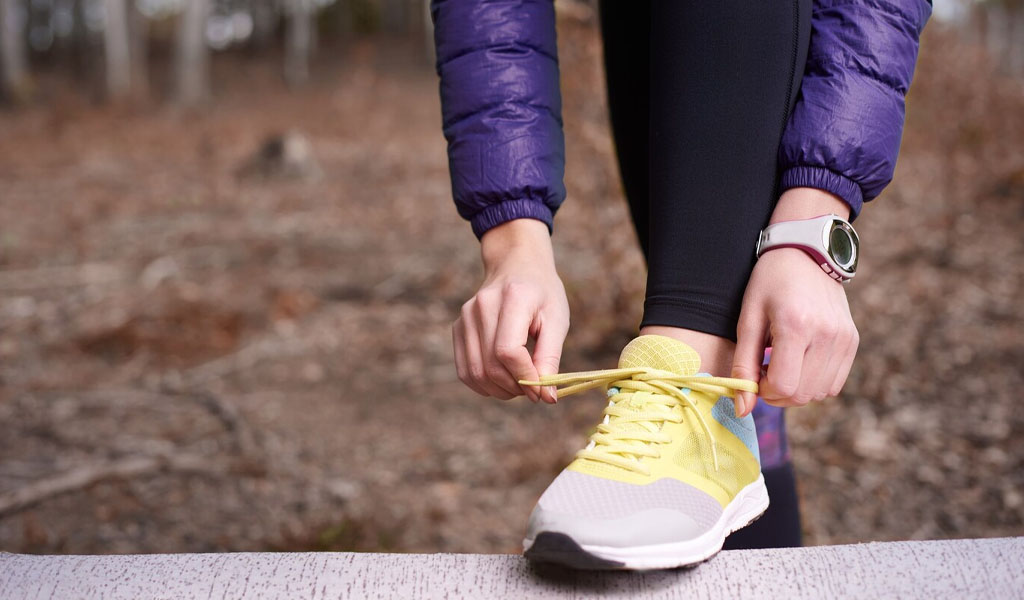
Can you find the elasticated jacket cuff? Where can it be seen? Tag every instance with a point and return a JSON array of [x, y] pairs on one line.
[[829, 181], [496, 214]]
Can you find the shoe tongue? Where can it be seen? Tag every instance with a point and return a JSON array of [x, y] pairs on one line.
[[660, 352], [654, 352]]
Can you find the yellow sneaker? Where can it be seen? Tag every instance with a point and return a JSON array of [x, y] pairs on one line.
[[669, 473]]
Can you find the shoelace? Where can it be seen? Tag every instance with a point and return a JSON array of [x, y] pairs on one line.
[[647, 397]]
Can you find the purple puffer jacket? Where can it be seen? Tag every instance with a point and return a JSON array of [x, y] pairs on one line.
[[502, 107]]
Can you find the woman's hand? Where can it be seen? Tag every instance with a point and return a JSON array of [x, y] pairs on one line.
[[793, 306], [521, 299]]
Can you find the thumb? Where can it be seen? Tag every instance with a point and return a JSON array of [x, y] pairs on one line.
[[746, 362], [547, 353]]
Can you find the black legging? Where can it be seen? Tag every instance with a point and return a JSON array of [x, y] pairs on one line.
[[699, 94]]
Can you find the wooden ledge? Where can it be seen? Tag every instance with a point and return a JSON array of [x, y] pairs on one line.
[[985, 568]]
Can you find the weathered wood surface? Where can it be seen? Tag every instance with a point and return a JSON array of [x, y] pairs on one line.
[[990, 568]]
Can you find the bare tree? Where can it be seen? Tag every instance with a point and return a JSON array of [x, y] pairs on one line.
[[1015, 37], [116, 48], [13, 63], [344, 23], [193, 56], [999, 26], [428, 31], [395, 15], [138, 32], [264, 23], [299, 42]]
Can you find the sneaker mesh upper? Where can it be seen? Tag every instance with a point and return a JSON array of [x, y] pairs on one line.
[[734, 473]]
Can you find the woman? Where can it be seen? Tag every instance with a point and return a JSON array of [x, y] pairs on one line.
[[742, 129]]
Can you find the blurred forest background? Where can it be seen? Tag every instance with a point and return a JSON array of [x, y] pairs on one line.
[[229, 263]]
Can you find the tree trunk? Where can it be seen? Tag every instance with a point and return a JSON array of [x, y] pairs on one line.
[[299, 42], [395, 15], [428, 33], [1015, 41], [193, 56], [995, 31], [138, 30], [116, 49], [13, 62], [264, 24], [343, 22]]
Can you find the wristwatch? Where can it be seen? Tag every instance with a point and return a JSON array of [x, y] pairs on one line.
[[829, 239]]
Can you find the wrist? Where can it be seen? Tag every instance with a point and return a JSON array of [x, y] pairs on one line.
[[518, 239], [828, 239], [806, 203]]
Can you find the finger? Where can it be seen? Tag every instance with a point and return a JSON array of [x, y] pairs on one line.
[[463, 364], [843, 371], [746, 362], [782, 378], [547, 353], [460, 357], [821, 360], [475, 362], [835, 334], [823, 383], [488, 310], [815, 360], [513, 332], [847, 349]]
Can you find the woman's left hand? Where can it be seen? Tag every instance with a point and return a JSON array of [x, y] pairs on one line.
[[801, 312]]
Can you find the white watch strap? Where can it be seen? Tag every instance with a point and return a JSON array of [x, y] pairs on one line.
[[810, 236], [803, 233]]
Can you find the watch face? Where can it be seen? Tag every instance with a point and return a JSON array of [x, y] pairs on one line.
[[842, 246]]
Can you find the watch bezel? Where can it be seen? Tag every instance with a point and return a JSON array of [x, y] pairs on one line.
[[837, 223]]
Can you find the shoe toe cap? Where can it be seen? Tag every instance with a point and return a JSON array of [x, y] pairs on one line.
[[604, 512], [644, 527]]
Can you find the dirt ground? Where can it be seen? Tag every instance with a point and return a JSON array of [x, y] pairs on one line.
[[200, 353]]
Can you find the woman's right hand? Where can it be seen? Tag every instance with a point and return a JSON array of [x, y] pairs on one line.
[[521, 299]]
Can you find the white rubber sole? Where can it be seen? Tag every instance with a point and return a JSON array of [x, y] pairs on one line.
[[749, 504]]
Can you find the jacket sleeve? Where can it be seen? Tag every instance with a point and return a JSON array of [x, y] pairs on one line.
[[844, 132], [501, 108]]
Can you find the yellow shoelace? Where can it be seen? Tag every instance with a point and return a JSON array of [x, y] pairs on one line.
[[647, 397]]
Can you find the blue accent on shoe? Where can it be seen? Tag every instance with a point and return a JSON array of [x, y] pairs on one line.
[[724, 411]]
